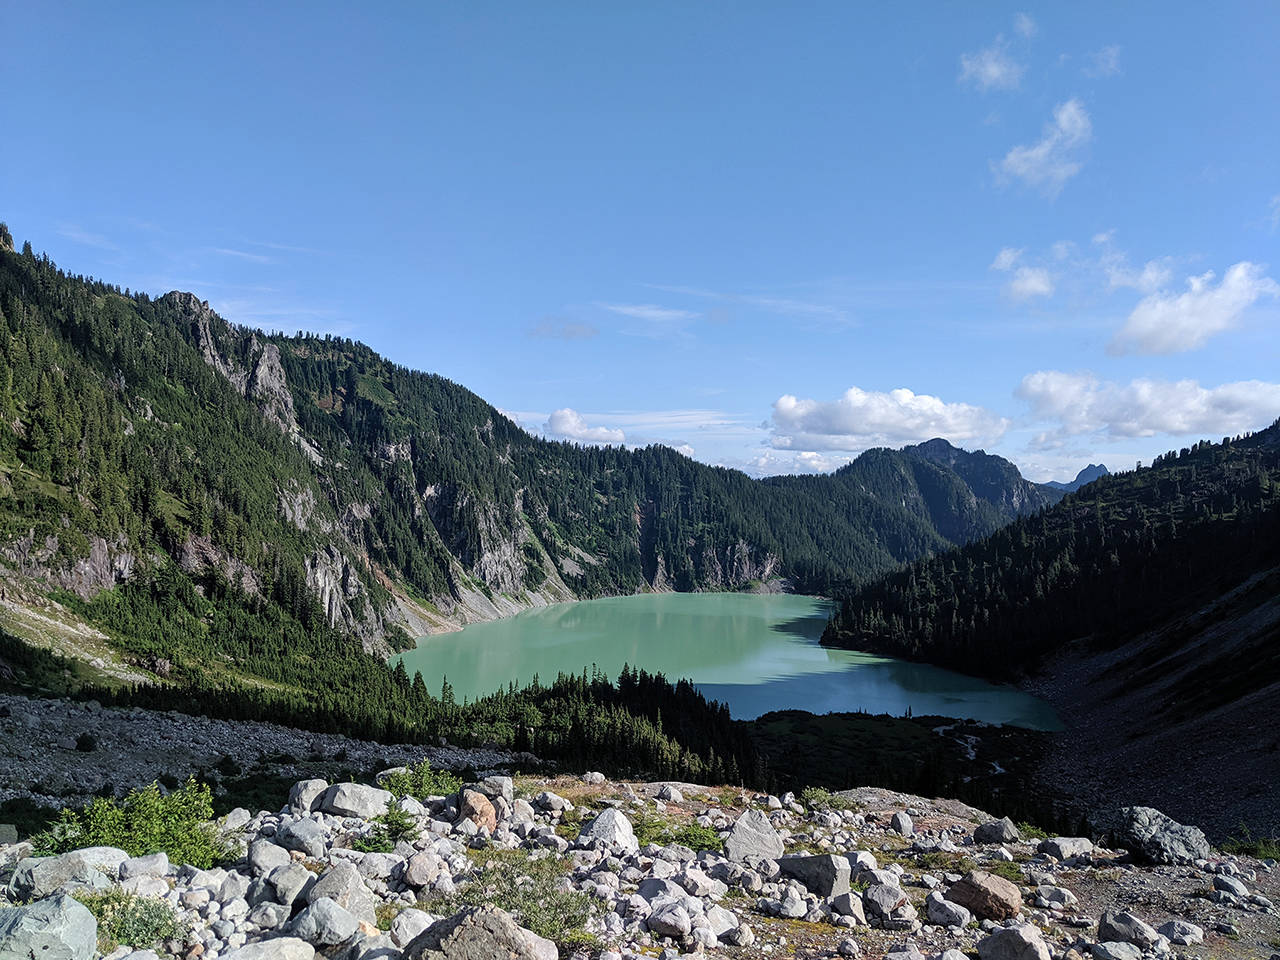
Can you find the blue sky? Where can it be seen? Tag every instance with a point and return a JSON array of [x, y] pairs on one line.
[[771, 234]]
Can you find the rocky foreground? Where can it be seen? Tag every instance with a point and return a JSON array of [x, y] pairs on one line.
[[864, 873]]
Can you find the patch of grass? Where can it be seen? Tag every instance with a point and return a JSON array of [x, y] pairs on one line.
[[1244, 843], [385, 912], [527, 889], [1003, 868], [146, 821], [420, 782], [1030, 831], [140, 922], [817, 798], [697, 837]]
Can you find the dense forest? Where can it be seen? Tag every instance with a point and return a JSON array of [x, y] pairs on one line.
[[1126, 553]]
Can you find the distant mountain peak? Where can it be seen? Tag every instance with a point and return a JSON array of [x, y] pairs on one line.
[[1089, 474]]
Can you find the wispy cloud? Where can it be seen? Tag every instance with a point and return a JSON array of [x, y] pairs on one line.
[[650, 312], [77, 233], [1024, 25], [243, 255], [991, 68], [553, 329], [1103, 63], [1055, 158], [785, 306], [1026, 281]]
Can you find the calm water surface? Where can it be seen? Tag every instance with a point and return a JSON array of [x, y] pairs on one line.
[[755, 652]]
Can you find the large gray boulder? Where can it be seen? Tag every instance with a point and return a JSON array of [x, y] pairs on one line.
[[305, 836], [277, 948], [752, 835], [997, 831], [1065, 848], [942, 911], [355, 800], [305, 796], [1020, 942], [1155, 838], [265, 856], [479, 933], [37, 877], [826, 875], [1126, 927], [324, 923], [343, 884], [988, 896], [57, 928], [613, 827]]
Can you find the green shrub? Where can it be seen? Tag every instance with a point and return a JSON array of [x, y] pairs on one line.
[[1030, 831], [146, 821], [697, 837], [388, 829], [527, 889], [140, 922], [816, 798], [420, 782]]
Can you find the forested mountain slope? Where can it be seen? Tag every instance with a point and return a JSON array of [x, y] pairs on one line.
[[1127, 553], [193, 486]]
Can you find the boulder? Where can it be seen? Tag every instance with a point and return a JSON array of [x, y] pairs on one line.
[[989, 897], [305, 795], [1115, 950], [324, 923], [477, 808], [152, 865], [1020, 942], [670, 920], [1182, 932], [479, 933], [903, 824], [56, 928], [1126, 927], [1153, 837], [670, 794], [496, 788], [881, 899], [942, 911], [355, 800], [1064, 848], [613, 827], [305, 836], [408, 924], [343, 884], [292, 883], [997, 831], [752, 835], [35, 878], [826, 876], [423, 868], [278, 948], [850, 905], [265, 856]]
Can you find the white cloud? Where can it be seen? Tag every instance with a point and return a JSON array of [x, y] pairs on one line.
[[551, 329], [1104, 62], [570, 425], [1168, 323], [1080, 403], [1053, 159], [860, 419], [650, 312], [1026, 282], [1025, 26], [685, 449], [1154, 275], [1006, 258], [991, 68], [1030, 282]]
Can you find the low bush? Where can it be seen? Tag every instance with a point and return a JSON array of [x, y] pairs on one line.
[[124, 918], [816, 798], [420, 782], [1244, 843], [528, 889], [388, 829], [146, 821]]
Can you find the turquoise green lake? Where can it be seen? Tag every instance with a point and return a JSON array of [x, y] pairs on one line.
[[756, 653]]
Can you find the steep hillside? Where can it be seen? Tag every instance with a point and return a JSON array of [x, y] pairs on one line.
[[192, 487]]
